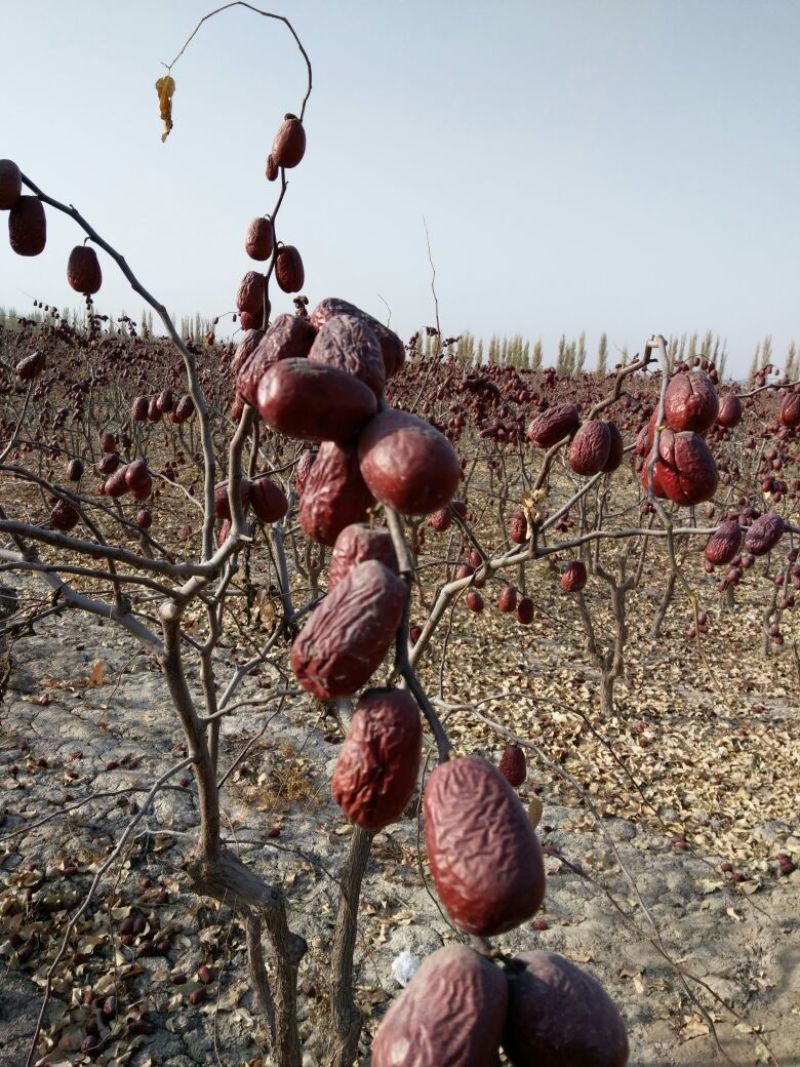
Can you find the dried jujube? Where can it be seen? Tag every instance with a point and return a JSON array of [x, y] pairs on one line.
[[348, 635], [553, 425], [616, 448], [252, 293], [518, 527], [451, 1015], [392, 347], [267, 500], [485, 858], [289, 145], [260, 239], [64, 516], [724, 543], [335, 494], [250, 341], [83, 270], [314, 402], [789, 412], [560, 1016], [590, 448], [377, 768], [407, 463], [10, 184], [685, 470], [574, 577], [183, 410], [513, 765], [222, 504], [730, 411], [289, 271], [691, 402], [289, 337], [356, 544], [27, 226], [764, 534], [507, 601], [349, 343], [302, 470]]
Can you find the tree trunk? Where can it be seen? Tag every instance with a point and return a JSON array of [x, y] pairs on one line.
[[346, 1018]]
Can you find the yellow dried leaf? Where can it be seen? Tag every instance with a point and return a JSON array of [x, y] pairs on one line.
[[165, 87], [98, 674]]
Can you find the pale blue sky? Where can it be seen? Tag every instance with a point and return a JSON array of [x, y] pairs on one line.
[[622, 165]]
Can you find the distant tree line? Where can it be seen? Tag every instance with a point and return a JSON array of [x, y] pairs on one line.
[[194, 327], [572, 357]]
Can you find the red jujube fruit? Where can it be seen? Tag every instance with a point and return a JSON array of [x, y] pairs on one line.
[[451, 1015], [377, 768], [348, 635], [407, 463], [485, 858]]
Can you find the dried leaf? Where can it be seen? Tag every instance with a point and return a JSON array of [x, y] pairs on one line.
[[165, 87]]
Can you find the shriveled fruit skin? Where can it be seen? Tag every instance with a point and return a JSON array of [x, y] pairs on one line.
[[377, 768], [616, 449], [139, 408], [645, 437], [553, 425], [289, 145], [302, 470], [27, 226], [349, 343], [764, 534], [314, 402], [691, 402], [347, 636], [356, 544], [560, 1016], [250, 341], [392, 348], [724, 543], [590, 448], [789, 412], [486, 861], [685, 470], [83, 270], [64, 516], [289, 271], [730, 411], [574, 577], [518, 527], [268, 500], [260, 239], [335, 494], [513, 766], [450, 1015], [10, 184], [525, 611], [252, 293], [407, 463], [289, 337]]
